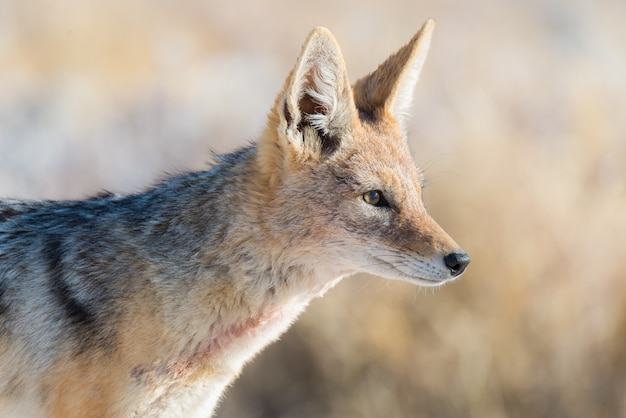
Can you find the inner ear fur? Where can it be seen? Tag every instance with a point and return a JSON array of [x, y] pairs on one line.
[[318, 102]]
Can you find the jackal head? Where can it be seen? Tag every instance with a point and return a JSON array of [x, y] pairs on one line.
[[344, 187]]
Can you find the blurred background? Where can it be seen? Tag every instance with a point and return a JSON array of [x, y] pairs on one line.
[[519, 121]]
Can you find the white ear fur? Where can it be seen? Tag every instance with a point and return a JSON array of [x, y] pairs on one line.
[[319, 93]]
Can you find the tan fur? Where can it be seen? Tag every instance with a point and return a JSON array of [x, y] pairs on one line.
[[149, 305]]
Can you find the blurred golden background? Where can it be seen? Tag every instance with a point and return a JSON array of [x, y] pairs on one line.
[[519, 120]]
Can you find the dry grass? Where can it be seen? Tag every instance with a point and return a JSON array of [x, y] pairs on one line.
[[519, 120]]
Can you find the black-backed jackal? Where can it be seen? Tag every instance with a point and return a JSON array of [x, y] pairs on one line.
[[149, 304]]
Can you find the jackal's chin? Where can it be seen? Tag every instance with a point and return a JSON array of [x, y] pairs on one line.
[[416, 280]]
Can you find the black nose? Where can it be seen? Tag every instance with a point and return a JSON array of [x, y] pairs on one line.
[[456, 262]]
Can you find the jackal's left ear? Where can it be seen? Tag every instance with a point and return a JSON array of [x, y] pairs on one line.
[[390, 88], [318, 104]]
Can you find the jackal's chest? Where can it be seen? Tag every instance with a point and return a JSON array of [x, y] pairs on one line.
[[194, 382], [224, 350]]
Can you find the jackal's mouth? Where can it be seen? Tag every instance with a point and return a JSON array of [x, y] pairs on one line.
[[415, 271]]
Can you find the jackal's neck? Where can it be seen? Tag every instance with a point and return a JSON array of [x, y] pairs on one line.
[[246, 278]]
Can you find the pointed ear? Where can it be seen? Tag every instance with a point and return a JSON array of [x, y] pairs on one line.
[[390, 88], [318, 106]]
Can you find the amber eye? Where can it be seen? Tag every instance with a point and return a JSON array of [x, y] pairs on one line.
[[375, 198]]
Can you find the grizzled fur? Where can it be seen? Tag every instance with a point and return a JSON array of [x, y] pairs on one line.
[[150, 304]]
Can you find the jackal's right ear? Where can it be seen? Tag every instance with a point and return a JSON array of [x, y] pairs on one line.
[[318, 106]]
